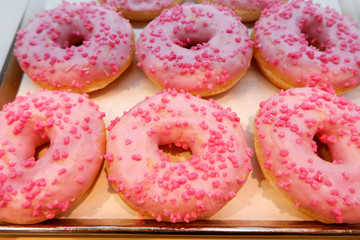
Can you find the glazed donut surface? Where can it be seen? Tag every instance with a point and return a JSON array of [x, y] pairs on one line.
[[287, 128], [179, 191], [82, 47], [36, 188]]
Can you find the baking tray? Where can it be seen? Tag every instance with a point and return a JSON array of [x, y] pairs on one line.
[[126, 227], [11, 77]]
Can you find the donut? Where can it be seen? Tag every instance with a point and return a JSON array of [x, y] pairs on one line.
[[294, 130], [82, 47], [301, 44], [153, 184], [248, 10], [202, 49], [141, 10], [34, 188]]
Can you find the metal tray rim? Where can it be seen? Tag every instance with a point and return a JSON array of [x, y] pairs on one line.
[[117, 227]]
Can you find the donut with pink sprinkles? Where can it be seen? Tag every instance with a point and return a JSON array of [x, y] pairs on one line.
[[39, 182], [302, 44], [82, 47], [308, 146], [150, 182], [199, 48]]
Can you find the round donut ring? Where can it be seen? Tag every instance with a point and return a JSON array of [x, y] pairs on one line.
[[303, 44], [247, 10], [179, 191], [82, 47], [288, 127], [33, 190], [141, 10], [202, 49]]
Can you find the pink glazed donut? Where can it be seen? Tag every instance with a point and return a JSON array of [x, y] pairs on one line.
[[33, 186], [202, 49], [82, 47], [141, 10], [288, 127], [303, 44], [248, 10], [177, 191]]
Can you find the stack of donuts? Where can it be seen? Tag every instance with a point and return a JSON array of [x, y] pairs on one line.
[[189, 51]]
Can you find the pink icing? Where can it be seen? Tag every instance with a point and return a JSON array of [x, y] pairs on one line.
[[285, 128], [283, 34], [247, 4], [192, 47], [46, 49], [139, 5], [177, 191], [33, 190]]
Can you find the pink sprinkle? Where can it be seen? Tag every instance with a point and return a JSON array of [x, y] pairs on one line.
[[314, 202], [249, 152], [62, 171], [54, 181], [331, 201], [109, 157], [26, 204], [11, 149], [80, 180], [173, 201], [192, 176], [111, 179], [81, 167], [328, 183], [200, 194], [216, 184], [102, 115], [337, 211], [56, 154], [136, 157], [267, 164], [284, 152], [73, 130]]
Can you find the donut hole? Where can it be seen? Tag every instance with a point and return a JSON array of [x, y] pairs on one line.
[[314, 39], [175, 152], [71, 37], [321, 149], [75, 39], [193, 42], [41, 150]]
